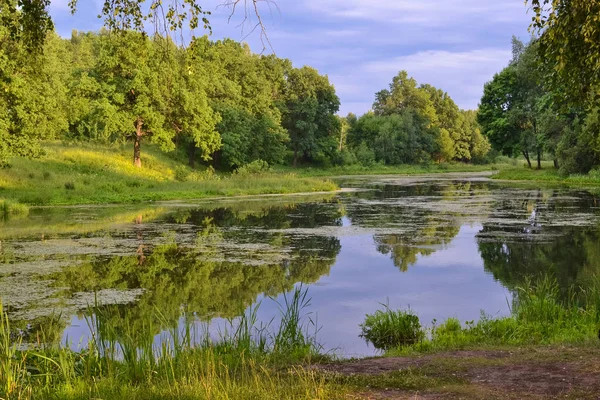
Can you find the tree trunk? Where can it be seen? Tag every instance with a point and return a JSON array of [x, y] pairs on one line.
[[192, 155], [539, 159], [555, 163], [526, 155], [137, 142], [295, 158]]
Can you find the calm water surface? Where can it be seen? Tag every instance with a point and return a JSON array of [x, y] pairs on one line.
[[445, 246]]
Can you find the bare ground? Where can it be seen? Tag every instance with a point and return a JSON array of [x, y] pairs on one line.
[[523, 373]]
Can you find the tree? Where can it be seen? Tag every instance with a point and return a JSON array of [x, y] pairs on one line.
[[188, 111], [508, 111], [308, 109], [126, 69], [33, 92], [570, 46]]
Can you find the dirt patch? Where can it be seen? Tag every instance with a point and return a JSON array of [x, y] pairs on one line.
[[397, 395], [548, 379], [382, 365], [543, 374]]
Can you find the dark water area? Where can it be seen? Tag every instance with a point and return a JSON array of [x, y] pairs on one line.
[[445, 246]]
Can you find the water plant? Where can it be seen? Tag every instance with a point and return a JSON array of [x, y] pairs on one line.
[[390, 328]]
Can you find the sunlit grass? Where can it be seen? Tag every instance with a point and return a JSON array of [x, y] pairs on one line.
[[93, 174]]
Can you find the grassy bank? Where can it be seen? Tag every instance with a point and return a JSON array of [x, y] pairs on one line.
[[245, 362], [379, 169], [548, 174], [69, 174], [539, 316], [552, 341]]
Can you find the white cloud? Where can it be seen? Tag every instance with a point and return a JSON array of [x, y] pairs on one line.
[[462, 74], [423, 12]]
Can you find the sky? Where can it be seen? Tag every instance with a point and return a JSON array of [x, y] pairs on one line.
[[455, 45]]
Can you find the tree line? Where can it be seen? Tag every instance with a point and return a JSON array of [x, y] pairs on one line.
[[218, 103], [215, 100]]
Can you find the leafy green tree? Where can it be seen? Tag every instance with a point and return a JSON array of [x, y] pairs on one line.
[[570, 46], [308, 109], [126, 69], [33, 92]]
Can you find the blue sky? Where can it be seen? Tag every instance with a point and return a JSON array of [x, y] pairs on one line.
[[456, 45]]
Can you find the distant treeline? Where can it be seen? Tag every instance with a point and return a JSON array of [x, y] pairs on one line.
[[216, 102]]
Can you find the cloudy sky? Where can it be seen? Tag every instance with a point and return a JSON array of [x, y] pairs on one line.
[[456, 45]]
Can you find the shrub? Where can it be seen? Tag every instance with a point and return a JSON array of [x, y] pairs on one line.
[[253, 168], [388, 328], [69, 186], [181, 173], [364, 155]]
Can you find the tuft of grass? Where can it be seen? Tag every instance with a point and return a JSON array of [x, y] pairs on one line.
[[9, 209], [392, 328]]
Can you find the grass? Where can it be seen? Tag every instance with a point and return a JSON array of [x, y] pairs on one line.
[[11, 209], [538, 317], [548, 174], [94, 174], [244, 362], [379, 169]]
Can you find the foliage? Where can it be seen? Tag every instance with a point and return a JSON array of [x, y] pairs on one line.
[[414, 124], [388, 328], [570, 46], [255, 167]]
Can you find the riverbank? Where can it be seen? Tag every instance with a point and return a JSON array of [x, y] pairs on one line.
[[548, 348], [70, 174], [548, 174]]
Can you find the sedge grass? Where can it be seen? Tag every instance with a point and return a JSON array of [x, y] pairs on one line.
[[245, 362]]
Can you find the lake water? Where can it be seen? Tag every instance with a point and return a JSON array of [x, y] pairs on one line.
[[444, 245]]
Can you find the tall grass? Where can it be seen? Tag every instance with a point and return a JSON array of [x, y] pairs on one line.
[[244, 362], [12, 209], [539, 315]]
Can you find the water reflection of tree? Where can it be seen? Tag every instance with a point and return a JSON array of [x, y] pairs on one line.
[[572, 258], [535, 248], [179, 277], [422, 230], [405, 249]]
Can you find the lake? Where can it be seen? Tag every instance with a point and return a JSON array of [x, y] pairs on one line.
[[454, 245]]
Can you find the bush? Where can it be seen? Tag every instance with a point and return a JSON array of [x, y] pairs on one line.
[[69, 186], [253, 168], [365, 155], [181, 173], [388, 328]]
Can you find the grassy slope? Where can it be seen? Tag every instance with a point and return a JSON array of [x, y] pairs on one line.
[[70, 174]]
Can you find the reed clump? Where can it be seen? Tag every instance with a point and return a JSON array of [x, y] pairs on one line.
[[244, 361]]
